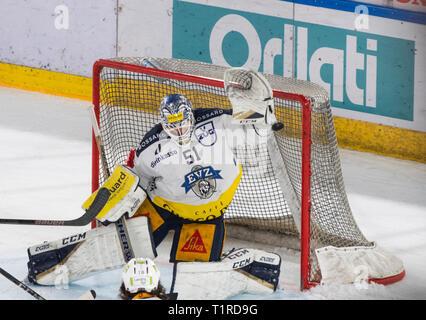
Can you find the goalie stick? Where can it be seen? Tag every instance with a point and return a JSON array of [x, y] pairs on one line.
[[97, 205], [120, 224], [89, 295]]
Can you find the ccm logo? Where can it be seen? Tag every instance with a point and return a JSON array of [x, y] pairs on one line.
[[75, 238], [241, 263]]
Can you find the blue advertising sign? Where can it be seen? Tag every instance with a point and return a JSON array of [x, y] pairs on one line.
[[362, 71]]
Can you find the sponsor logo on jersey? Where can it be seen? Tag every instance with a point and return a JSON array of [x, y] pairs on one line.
[[205, 114], [194, 244], [206, 134], [154, 135], [161, 157], [202, 181], [148, 140]]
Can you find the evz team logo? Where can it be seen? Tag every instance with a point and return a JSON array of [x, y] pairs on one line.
[[201, 180], [206, 134]]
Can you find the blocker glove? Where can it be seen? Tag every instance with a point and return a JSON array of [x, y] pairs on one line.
[[126, 196]]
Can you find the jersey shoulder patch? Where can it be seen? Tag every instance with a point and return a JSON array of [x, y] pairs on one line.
[[152, 136], [203, 114]]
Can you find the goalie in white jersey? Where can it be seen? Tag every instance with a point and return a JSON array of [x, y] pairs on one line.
[[182, 177], [187, 167], [188, 170]]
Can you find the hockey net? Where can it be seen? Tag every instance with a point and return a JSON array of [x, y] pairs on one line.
[[291, 192]]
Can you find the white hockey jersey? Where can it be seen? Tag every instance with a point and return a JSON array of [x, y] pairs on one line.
[[195, 181]]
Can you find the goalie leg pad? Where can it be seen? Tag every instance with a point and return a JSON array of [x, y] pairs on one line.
[[240, 271], [81, 255], [265, 269]]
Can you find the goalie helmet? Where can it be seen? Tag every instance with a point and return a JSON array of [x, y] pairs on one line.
[[177, 118], [140, 274]]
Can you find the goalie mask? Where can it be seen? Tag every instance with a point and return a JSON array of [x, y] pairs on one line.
[[140, 274], [177, 118]]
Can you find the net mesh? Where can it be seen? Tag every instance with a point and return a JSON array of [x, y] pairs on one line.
[[129, 104]]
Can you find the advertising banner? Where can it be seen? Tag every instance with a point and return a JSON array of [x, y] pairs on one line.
[[372, 67]]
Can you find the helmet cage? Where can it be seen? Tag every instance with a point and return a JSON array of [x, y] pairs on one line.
[[177, 118]]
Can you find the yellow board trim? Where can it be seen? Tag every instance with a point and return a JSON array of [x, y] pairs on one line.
[[352, 134], [50, 82], [380, 139]]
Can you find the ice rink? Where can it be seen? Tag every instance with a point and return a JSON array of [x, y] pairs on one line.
[[45, 170]]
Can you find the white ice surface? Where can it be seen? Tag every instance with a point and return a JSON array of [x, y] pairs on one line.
[[45, 172]]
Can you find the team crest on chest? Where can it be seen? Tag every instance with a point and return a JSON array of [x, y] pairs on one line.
[[202, 181], [206, 134]]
